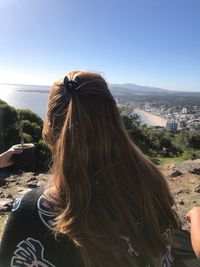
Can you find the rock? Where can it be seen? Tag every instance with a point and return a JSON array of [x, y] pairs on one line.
[[2, 194], [30, 174], [6, 205], [187, 191], [179, 191], [33, 178], [9, 196], [195, 171], [31, 184], [13, 178], [181, 202], [176, 174], [197, 189]]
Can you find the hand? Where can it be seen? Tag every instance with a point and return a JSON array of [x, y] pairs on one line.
[[5, 158], [193, 214]]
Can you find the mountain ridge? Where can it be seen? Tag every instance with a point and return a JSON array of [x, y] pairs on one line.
[[139, 88]]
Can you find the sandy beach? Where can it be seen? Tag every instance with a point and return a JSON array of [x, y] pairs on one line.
[[149, 118]]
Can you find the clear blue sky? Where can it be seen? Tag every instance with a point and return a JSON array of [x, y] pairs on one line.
[[147, 42]]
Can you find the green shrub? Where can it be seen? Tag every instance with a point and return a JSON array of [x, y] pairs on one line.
[[8, 131], [27, 138], [26, 114], [43, 156], [32, 132], [32, 129], [2, 102], [194, 140], [8, 116]]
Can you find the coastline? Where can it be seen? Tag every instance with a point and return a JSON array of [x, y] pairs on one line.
[[149, 118]]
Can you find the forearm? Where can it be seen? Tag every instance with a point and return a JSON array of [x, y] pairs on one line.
[[6, 157], [195, 236]]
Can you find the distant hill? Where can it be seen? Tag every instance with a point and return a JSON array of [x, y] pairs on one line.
[[137, 88]]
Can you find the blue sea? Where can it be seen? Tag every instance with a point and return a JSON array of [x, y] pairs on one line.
[[26, 97], [35, 98]]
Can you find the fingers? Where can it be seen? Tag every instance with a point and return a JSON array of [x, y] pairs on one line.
[[15, 150]]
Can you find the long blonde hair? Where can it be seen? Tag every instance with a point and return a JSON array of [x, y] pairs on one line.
[[104, 188]]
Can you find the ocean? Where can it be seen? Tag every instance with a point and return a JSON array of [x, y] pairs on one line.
[[35, 98], [26, 97]]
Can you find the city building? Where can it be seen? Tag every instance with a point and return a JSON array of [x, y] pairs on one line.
[[172, 125], [184, 110], [182, 124]]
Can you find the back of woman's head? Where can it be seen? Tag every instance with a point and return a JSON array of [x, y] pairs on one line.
[[104, 189]]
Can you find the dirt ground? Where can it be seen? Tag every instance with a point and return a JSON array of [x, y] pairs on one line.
[[179, 176], [183, 184]]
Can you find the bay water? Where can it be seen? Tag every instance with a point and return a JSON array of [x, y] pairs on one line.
[[26, 97], [35, 98]]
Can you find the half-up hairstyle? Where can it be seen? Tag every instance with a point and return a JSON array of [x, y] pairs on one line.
[[104, 189]]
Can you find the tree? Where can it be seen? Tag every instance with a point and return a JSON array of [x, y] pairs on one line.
[[43, 156], [9, 134], [181, 141], [137, 132], [26, 114], [8, 115], [161, 143], [167, 149], [2, 102], [194, 140], [27, 138], [130, 118], [32, 129]]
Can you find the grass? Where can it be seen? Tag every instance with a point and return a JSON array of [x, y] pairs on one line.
[[187, 155], [172, 160]]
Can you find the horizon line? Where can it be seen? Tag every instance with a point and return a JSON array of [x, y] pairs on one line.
[[112, 84]]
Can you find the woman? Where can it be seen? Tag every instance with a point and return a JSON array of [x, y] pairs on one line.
[[106, 204]]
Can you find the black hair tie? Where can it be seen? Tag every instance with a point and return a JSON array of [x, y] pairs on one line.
[[70, 85]]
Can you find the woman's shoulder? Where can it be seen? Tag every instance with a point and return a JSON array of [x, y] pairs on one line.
[[29, 238], [45, 211], [27, 202], [34, 206]]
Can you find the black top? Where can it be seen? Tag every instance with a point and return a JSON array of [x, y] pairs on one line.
[[28, 239]]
